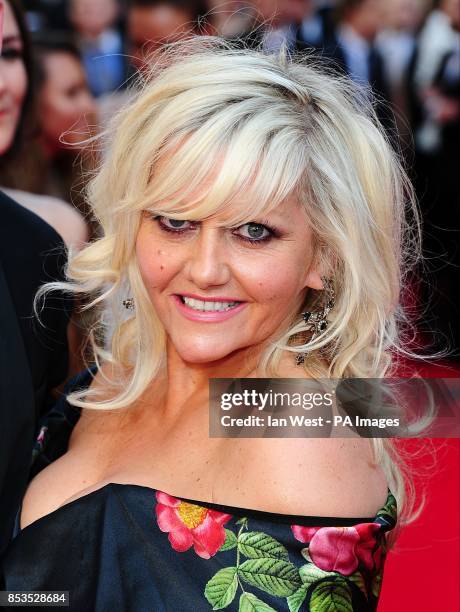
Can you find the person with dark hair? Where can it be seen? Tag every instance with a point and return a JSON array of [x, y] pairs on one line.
[[21, 174], [435, 97], [33, 358], [152, 23], [294, 24], [17, 80], [64, 117], [351, 48], [100, 42], [149, 25]]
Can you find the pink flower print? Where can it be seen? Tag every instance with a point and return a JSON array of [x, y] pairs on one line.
[[191, 525], [341, 549]]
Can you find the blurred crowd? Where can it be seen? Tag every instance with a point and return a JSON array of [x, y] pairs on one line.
[[68, 65]]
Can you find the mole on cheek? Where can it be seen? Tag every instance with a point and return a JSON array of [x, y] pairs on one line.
[[161, 267]]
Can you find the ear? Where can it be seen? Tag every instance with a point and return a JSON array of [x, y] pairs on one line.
[[313, 279]]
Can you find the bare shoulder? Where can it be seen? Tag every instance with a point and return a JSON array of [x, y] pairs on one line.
[[99, 423], [348, 481], [319, 476], [61, 215]]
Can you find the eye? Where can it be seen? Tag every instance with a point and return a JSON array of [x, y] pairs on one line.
[[173, 225], [255, 232], [11, 54]]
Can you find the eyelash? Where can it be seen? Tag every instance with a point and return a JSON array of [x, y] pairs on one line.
[[274, 233], [10, 54]]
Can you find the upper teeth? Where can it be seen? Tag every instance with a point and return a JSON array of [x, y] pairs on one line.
[[202, 305]]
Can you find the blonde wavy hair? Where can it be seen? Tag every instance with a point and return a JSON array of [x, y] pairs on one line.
[[278, 126]]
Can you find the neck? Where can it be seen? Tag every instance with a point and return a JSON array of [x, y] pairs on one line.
[[49, 149], [187, 383]]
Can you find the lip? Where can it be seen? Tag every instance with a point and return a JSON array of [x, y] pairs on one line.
[[220, 298], [207, 316]]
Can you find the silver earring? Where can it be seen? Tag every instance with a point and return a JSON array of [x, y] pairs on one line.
[[129, 303], [317, 322]]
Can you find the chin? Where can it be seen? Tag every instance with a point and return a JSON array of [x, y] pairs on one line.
[[202, 356], [200, 353], [5, 143]]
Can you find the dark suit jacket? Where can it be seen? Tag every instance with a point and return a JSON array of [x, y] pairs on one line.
[[33, 358], [333, 53]]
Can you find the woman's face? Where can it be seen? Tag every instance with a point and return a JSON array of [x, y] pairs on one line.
[[66, 106], [13, 80], [265, 271]]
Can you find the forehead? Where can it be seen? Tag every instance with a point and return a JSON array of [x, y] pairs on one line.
[[218, 193], [62, 67], [160, 21], [10, 26], [288, 213]]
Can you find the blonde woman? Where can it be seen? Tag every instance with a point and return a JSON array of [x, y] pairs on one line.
[[241, 190]]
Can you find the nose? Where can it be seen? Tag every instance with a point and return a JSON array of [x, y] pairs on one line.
[[207, 264], [87, 104]]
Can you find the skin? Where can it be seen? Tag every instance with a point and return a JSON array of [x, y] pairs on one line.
[[404, 14], [151, 27], [13, 80], [91, 17], [276, 13], [212, 261], [367, 18], [66, 107], [162, 441]]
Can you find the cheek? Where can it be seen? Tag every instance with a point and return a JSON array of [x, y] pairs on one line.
[[275, 282], [17, 84], [156, 264], [54, 115]]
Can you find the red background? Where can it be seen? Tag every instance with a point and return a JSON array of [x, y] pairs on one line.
[[422, 571]]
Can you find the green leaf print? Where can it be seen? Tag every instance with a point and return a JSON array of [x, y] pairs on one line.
[[230, 541], [358, 579], [331, 595], [273, 576], [295, 600], [376, 584], [251, 603], [310, 573], [306, 554], [389, 509], [221, 589], [257, 545]]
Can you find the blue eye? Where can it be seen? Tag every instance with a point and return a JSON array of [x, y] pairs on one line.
[[173, 225], [251, 233], [256, 232]]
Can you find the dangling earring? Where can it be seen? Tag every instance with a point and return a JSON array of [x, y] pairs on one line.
[[317, 322], [129, 303]]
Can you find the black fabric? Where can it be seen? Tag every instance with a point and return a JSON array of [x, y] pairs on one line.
[[33, 359], [332, 53]]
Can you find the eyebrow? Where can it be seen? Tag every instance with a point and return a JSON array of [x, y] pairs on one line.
[[274, 216], [12, 38]]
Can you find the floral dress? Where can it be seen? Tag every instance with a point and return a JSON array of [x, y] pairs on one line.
[[134, 548]]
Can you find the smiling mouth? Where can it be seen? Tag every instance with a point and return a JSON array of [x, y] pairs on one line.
[[208, 305]]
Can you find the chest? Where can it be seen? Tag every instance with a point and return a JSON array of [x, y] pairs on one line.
[[181, 460]]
